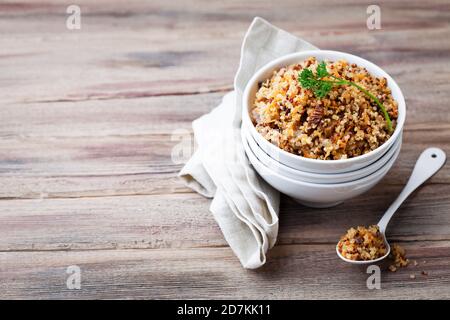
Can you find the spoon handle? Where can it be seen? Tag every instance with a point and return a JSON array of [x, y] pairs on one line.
[[429, 162]]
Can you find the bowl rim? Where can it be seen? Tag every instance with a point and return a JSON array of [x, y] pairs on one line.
[[363, 180], [392, 84], [311, 175]]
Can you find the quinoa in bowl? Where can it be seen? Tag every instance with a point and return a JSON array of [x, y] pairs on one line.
[[345, 123]]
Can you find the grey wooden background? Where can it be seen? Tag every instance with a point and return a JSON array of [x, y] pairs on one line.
[[87, 123]]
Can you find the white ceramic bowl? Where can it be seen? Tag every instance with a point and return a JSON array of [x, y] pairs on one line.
[[314, 194], [319, 177], [315, 165]]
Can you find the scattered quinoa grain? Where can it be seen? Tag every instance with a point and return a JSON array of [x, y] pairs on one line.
[[398, 254]]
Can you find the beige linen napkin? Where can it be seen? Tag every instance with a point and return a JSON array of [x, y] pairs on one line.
[[244, 206]]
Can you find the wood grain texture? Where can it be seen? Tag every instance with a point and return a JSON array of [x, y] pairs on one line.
[[292, 272], [90, 118]]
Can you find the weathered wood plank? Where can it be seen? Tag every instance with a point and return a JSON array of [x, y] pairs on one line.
[[91, 119], [144, 49], [138, 163], [172, 220], [157, 115], [292, 272], [110, 147]]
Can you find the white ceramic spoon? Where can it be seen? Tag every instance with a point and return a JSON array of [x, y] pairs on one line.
[[429, 162]]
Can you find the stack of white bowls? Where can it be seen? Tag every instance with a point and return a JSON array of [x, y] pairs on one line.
[[313, 182]]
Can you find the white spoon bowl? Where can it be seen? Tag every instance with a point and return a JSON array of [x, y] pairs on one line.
[[317, 165], [315, 194]]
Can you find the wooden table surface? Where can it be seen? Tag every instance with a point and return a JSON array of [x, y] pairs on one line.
[[89, 119]]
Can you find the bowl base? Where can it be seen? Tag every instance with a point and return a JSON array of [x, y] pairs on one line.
[[318, 205]]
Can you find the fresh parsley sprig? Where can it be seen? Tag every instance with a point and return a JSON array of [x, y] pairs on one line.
[[321, 85]]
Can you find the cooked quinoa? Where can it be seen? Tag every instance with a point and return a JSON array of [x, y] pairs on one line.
[[362, 243], [345, 123], [399, 256]]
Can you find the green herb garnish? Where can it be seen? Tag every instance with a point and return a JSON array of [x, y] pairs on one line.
[[321, 85]]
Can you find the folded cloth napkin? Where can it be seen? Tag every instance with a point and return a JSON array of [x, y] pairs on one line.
[[244, 206]]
